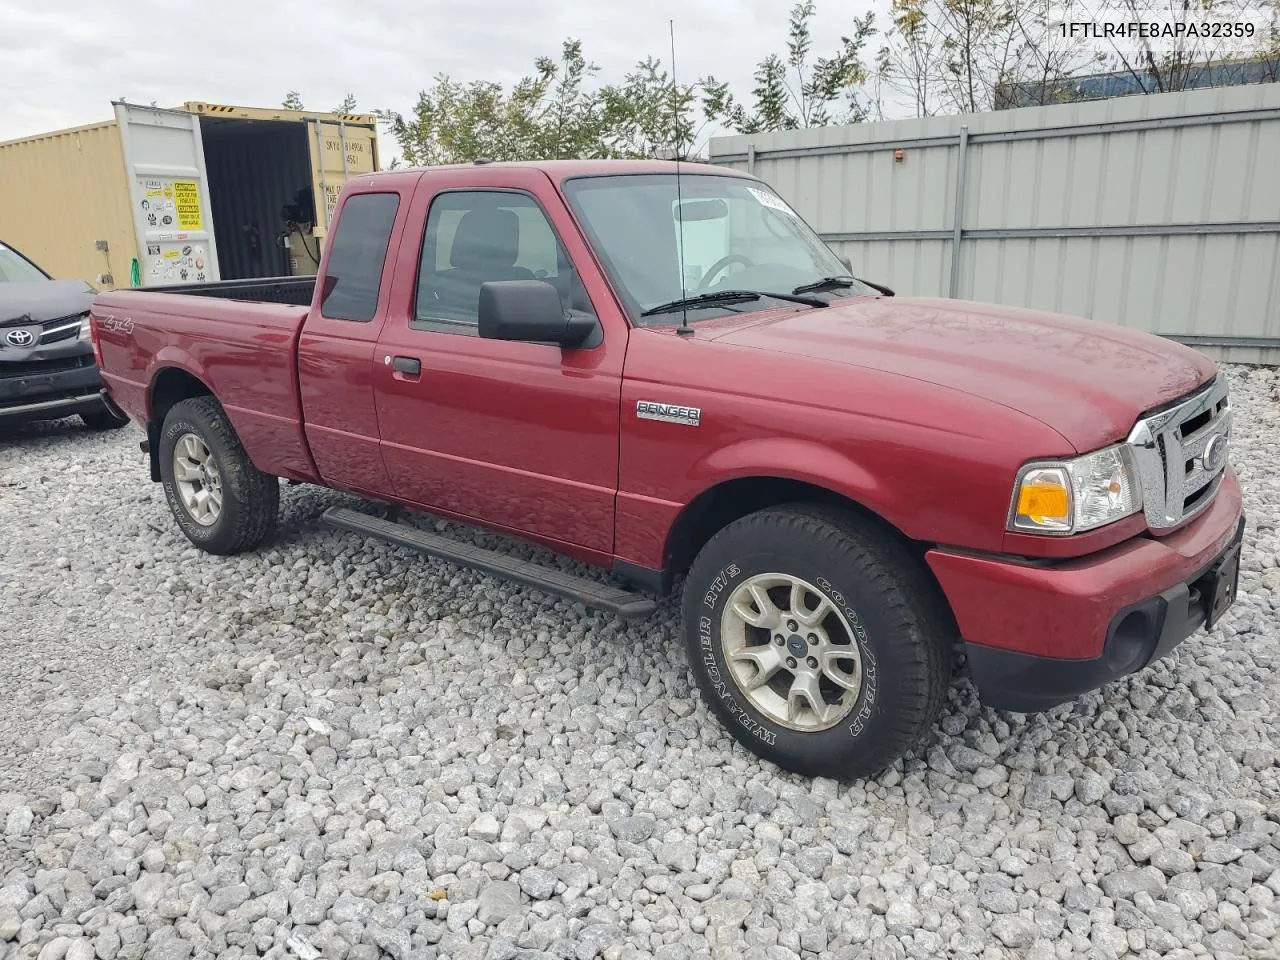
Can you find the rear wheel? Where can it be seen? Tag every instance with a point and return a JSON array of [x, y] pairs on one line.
[[222, 502], [817, 640]]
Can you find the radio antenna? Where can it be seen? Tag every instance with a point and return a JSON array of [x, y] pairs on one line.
[[684, 329]]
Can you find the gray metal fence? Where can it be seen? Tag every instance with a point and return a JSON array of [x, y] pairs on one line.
[[1160, 212]]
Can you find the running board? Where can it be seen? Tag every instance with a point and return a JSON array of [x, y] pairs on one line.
[[601, 596]]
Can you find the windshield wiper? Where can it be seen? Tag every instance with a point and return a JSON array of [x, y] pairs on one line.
[[826, 283], [729, 296], [832, 283]]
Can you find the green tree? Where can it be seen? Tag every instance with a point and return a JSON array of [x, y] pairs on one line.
[[557, 113], [965, 56], [545, 115], [801, 90], [293, 101], [647, 115], [348, 104]]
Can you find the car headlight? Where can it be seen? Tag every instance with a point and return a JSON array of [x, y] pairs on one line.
[[86, 331], [1070, 496]]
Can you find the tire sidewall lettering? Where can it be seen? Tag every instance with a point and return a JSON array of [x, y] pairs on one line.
[[719, 584], [725, 688], [193, 530], [866, 705]]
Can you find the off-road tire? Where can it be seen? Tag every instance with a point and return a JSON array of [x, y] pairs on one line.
[[103, 419], [898, 618], [250, 498]]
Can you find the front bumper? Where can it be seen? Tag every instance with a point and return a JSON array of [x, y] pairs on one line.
[[39, 393], [1040, 635]]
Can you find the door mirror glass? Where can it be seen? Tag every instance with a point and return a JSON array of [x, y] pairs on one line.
[[530, 310]]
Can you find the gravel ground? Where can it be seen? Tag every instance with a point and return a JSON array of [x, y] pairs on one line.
[[337, 748]]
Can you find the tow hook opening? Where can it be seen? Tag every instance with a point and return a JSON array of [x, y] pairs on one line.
[[1133, 639]]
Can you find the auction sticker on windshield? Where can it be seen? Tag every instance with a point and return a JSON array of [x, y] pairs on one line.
[[770, 200]]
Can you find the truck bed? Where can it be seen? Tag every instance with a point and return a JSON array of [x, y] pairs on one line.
[[239, 345], [292, 290]]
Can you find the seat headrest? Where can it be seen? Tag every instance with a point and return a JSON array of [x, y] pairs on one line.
[[486, 236]]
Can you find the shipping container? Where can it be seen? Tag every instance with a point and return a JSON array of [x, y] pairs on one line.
[[197, 194]]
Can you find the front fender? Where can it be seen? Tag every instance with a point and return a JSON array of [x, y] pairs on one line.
[[805, 461]]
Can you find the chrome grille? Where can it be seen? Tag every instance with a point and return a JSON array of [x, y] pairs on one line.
[[1180, 457], [63, 328]]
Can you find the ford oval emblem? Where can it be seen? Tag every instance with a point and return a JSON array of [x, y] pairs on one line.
[[1215, 453]]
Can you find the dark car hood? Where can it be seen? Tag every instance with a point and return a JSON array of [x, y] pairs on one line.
[[1087, 379], [23, 304]]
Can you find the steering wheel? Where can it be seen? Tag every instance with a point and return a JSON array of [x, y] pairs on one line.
[[720, 264]]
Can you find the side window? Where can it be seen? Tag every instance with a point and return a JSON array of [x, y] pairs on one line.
[[357, 256], [474, 237]]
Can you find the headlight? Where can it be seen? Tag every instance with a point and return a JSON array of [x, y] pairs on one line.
[[86, 332], [1070, 496]]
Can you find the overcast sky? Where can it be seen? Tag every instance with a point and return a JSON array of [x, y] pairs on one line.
[[63, 61]]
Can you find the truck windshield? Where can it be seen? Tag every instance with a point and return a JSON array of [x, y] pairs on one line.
[[729, 234], [15, 268]]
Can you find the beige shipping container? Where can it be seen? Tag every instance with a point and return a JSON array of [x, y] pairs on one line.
[[202, 193]]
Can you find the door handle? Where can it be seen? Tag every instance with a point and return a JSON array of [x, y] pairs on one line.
[[410, 366]]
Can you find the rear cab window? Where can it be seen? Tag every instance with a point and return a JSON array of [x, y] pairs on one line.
[[357, 255]]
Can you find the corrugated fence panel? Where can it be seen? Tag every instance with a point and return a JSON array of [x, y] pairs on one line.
[[1160, 213]]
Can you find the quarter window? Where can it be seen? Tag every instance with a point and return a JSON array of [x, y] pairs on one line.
[[358, 255]]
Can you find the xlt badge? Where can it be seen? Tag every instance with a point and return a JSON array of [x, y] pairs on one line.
[[668, 413]]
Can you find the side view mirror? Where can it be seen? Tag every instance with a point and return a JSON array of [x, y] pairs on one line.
[[529, 310]]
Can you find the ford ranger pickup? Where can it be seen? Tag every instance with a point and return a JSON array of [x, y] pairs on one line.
[[662, 371]]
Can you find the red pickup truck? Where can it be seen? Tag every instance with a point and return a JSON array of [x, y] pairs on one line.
[[664, 372]]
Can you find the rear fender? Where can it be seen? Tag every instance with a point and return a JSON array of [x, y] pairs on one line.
[[172, 356]]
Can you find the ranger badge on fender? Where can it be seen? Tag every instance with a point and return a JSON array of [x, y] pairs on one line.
[[668, 413]]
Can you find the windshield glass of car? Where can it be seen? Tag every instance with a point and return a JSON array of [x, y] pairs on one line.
[[15, 268], [736, 233]]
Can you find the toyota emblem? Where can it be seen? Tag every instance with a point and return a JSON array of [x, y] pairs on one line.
[[1215, 452], [20, 338]]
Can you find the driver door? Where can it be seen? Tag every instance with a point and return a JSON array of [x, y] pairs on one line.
[[522, 436]]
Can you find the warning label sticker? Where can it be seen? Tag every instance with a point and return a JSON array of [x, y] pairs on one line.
[[186, 197]]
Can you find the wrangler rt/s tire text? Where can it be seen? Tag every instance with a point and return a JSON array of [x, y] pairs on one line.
[[817, 640], [222, 502]]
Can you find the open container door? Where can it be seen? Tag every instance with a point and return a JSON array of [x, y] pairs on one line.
[[340, 150], [169, 195]]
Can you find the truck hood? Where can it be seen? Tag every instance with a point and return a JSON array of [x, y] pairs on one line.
[[23, 304], [1086, 379]]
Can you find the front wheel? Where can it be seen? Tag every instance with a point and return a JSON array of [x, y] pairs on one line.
[[222, 502], [817, 640]]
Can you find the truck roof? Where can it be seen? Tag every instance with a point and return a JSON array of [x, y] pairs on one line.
[[560, 169]]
